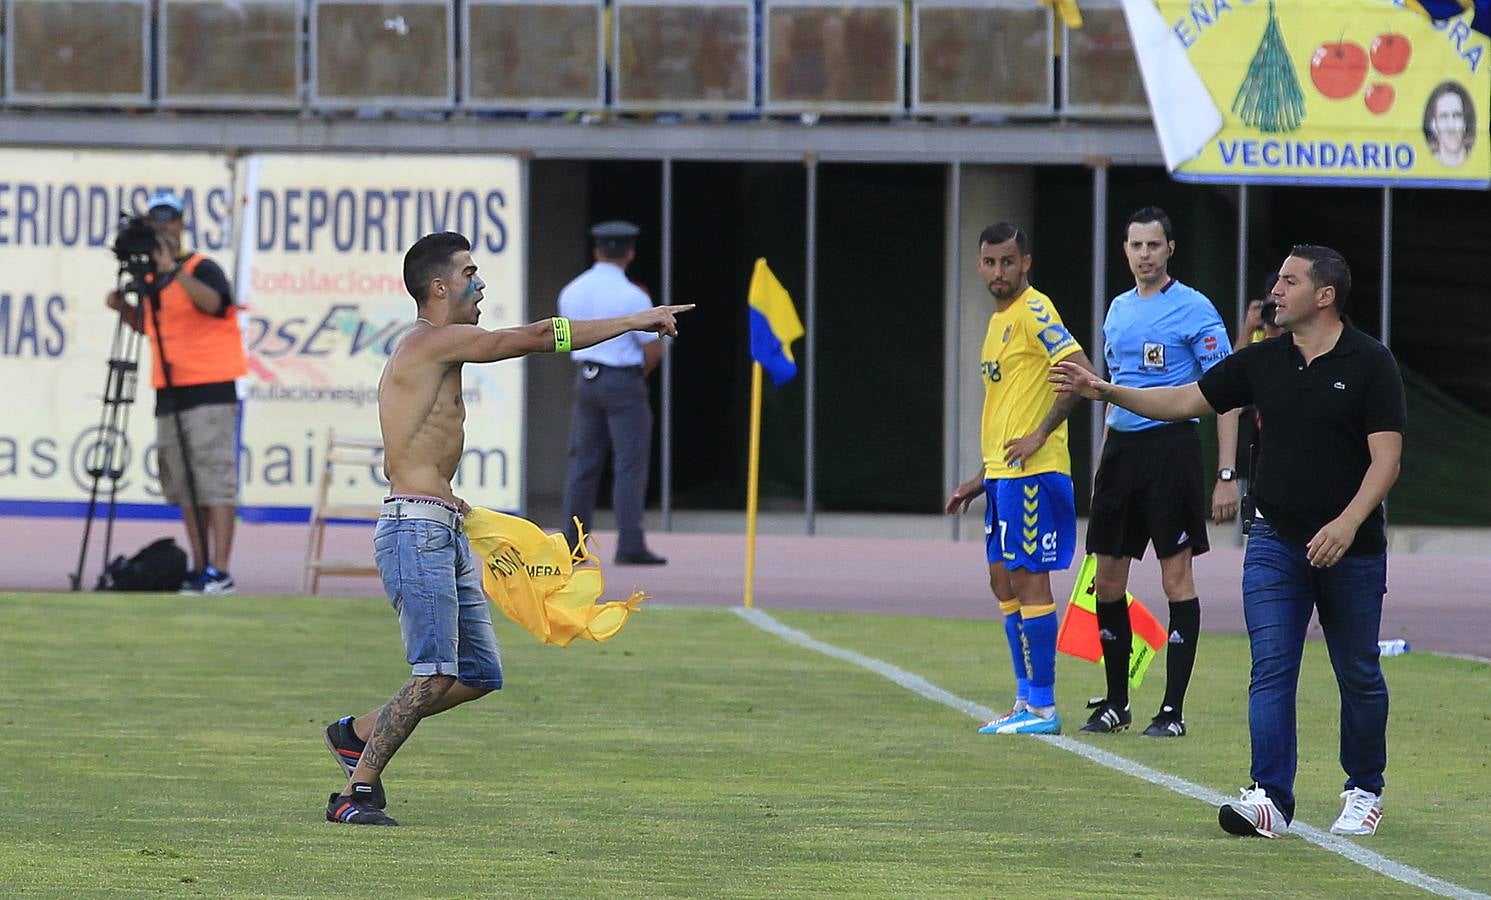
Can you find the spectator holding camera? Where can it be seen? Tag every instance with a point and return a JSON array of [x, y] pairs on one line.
[[1259, 324], [1259, 321], [197, 354]]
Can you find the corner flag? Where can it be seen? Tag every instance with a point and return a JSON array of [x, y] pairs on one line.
[[774, 325]]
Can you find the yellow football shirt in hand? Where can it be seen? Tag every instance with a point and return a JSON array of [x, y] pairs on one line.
[[539, 583]]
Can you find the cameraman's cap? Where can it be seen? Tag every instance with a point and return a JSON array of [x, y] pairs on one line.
[[165, 205], [615, 237]]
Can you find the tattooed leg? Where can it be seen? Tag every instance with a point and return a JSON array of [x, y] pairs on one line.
[[459, 693], [396, 721]]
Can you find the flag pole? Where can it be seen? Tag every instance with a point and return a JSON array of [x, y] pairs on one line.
[[752, 485]]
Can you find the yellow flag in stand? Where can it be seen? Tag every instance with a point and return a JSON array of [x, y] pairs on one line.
[[540, 583], [1067, 10]]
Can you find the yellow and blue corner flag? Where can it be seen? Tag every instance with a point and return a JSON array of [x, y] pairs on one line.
[[774, 325]]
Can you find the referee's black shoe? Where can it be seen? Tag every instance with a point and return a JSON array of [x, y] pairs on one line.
[[1167, 723], [1107, 718]]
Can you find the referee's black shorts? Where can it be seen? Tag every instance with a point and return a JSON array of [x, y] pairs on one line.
[[1149, 489]]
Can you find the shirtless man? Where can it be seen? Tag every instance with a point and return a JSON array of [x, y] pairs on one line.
[[421, 550]]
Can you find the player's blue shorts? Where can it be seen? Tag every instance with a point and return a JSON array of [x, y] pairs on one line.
[[1030, 522]]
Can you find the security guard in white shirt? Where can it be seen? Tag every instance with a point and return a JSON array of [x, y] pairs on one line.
[[611, 411]]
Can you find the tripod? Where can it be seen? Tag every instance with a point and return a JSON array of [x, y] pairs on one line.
[[110, 453]]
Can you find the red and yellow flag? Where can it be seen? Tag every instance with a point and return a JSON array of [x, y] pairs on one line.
[[1078, 635]]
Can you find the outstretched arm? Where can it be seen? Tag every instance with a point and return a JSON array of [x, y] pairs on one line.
[[469, 343], [1171, 404]]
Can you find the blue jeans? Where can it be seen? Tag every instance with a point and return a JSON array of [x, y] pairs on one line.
[[1280, 588], [435, 587]]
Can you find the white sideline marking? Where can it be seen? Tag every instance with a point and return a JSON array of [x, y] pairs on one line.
[[919, 685]]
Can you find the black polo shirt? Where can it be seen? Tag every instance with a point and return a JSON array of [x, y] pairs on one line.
[[1313, 450]]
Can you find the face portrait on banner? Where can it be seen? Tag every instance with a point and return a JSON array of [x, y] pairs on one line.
[[1338, 92], [1449, 124]]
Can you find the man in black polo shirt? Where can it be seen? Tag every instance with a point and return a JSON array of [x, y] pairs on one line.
[[1332, 410]]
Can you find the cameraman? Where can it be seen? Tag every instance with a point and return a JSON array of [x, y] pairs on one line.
[[197, 352]]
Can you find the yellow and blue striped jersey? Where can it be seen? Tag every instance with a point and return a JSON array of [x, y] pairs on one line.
[[1022, 343]]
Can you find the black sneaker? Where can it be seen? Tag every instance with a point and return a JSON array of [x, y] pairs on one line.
[[356, 809], [344, 745], [1107, 718], [1167, 724]]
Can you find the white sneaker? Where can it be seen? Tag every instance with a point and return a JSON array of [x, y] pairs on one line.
[[1360, 815], [1253, 813], [215, 581]]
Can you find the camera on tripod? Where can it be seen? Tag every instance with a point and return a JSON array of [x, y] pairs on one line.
[[133, 244]]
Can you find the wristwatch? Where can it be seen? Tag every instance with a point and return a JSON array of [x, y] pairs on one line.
[[1226, 474]]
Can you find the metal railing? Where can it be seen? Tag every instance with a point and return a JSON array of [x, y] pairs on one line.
[[883, 59]]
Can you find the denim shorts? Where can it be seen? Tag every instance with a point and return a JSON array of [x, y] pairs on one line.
[[435, 587]]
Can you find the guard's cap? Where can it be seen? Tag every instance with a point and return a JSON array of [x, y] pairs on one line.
[[165, 205], [614, 236]]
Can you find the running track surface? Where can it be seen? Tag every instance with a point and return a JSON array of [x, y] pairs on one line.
[[1436, 603]]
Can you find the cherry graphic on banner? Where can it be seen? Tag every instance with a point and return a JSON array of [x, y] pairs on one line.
[[1379, 97], [1390, 53], [1339, 68]]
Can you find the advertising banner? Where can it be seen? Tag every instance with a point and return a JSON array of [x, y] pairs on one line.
[[1363, 92], [321, 271], [59, 212], [314, 246]]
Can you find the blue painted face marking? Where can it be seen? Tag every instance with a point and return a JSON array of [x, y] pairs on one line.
[[473, 287]]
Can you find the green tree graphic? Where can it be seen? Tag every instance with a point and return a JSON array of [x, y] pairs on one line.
[[1270, 98]]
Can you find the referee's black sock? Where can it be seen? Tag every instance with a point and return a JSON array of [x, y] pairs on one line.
[[1117, 636], [1180, 655]]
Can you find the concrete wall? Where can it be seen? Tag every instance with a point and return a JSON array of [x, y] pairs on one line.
[[557, 238], [988, 194]]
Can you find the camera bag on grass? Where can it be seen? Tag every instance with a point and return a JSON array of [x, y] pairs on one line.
[[161, 566]]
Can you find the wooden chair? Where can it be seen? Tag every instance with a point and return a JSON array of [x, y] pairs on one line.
[[340, 451]]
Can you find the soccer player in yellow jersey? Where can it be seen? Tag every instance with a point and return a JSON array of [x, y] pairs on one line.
[[1030, 520]]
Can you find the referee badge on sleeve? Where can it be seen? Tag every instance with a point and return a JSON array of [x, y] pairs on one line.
[[1154, 355]]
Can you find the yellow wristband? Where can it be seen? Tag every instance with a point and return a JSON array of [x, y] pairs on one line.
[[562, 342]]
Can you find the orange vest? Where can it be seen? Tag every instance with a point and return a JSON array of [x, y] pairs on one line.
[[201, 348]]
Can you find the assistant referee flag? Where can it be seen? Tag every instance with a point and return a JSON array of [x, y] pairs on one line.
[[774, 325]]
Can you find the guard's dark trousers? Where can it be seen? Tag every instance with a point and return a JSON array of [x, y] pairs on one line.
[[611, 414]]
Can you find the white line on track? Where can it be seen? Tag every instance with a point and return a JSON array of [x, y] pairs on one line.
[[919, 685]]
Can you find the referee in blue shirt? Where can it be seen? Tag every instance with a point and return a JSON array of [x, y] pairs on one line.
[[1149, 487], [612, 414]]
